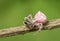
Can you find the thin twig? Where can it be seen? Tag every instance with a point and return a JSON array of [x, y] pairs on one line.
[[23, 29]]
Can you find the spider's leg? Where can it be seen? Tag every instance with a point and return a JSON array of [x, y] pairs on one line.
[[40, 27], [29, 16], [27, 22]]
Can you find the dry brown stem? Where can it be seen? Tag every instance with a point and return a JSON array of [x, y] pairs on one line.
[[23, 29]]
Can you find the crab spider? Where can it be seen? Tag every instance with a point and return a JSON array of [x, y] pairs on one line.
[[38, 21]]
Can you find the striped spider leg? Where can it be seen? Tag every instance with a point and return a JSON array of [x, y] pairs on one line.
[[28, 21]]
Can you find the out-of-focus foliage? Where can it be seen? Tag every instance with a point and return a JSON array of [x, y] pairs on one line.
[[12, 13]]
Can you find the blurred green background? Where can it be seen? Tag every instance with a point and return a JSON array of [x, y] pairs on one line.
[[12, 13]]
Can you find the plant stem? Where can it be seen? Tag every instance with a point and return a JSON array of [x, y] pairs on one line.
[[23, 29]]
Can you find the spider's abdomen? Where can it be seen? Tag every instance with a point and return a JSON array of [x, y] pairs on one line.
[[40, 17]]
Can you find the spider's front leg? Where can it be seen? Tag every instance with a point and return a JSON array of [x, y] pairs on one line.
[[28, 21]]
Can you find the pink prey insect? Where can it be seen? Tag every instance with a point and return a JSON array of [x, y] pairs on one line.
[[40, 19]]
